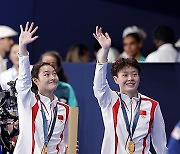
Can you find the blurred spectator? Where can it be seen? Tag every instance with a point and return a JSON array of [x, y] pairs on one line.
[[112, 55], [6, 41], [132, 44], [64, 91], [12, 73], [96, 48], [177, 45], [134, 29], [174, 142], [163, 37], [133, 40], [78, 53]]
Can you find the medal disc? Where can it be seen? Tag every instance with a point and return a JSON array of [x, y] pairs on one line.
[[44, 150], [131, 147]]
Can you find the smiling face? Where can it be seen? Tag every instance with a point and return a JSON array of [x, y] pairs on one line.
[[128, 80], [47, 80]]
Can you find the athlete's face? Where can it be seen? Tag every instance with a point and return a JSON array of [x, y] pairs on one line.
[[128, 80], [47, 79]]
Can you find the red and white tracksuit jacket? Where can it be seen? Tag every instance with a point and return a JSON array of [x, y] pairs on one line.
[[31, 137], [116, 137]]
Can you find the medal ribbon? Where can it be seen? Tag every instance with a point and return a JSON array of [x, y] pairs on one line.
[[47, 136], [126, 118]]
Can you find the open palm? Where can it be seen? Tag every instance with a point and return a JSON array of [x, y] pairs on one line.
[[103, 39], [26, 35]]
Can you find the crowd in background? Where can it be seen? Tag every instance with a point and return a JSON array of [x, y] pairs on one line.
[[166, 47], [133, 39]]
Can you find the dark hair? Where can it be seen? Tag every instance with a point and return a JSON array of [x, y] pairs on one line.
[[122, 62], [60, 70], [96, 46], [164, 33], [83, 49], [75, 52], [135, 36], [35, 74]]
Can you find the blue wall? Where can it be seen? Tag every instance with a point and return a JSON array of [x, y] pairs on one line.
[[158, 81], [13, 13]]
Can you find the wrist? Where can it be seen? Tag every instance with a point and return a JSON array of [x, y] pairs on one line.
[[102, 55], [23, 50], [106, 49]]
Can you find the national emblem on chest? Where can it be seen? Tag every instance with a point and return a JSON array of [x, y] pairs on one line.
[[144, 119], [60, 122]]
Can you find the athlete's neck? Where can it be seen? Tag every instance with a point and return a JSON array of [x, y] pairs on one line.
[[131, 94], [49, 95]]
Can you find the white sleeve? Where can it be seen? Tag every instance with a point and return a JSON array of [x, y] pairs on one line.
[[24, 83], [101, 88], [158, 133]]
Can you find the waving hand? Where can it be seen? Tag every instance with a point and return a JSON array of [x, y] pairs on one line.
[[26, 37], [105, 42], [103, 39]]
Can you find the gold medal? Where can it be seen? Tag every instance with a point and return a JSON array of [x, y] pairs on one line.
[[131, 147], [44, 150]]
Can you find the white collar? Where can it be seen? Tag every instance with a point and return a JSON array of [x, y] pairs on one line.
[[47, 100], [127, 99]]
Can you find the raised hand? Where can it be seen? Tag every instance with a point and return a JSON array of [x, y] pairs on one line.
[[103, 39], [26, 35]]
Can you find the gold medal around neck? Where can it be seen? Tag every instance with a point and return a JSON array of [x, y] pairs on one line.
[[44, 150], [131, 147]]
